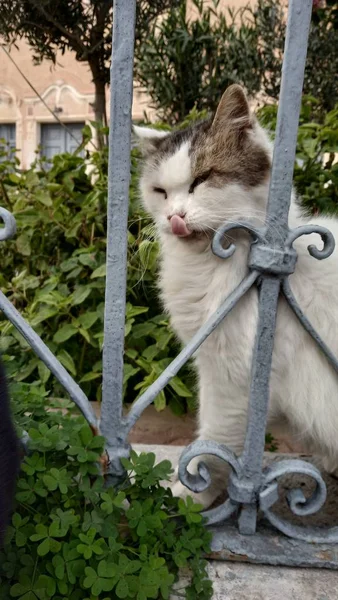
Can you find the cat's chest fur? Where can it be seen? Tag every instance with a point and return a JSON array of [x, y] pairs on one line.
[[195, 283]]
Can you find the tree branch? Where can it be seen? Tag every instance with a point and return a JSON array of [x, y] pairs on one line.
[[74, 39]]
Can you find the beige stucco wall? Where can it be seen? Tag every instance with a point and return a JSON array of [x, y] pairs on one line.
[[66, 86]]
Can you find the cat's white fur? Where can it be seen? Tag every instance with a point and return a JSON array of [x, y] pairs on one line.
[[194, 282]]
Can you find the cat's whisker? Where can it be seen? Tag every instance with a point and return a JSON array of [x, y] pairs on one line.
[[138, 220]]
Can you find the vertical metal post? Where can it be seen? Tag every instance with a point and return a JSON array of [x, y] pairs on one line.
[[299, 17], [117, 215], [290, 99]]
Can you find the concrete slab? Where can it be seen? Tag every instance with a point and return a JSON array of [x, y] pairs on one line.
[[252, 582]]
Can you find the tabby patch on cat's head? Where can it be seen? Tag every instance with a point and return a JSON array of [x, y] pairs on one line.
[[196, 178]]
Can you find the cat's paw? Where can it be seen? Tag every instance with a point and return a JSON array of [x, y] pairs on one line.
[[331, 466], [205, 498]]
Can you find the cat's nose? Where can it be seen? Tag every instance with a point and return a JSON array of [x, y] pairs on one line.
[[179, 214]]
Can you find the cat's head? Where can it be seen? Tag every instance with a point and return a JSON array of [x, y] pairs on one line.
[[217, 170]]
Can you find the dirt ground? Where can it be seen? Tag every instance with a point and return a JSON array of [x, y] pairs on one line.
[[165, 428]]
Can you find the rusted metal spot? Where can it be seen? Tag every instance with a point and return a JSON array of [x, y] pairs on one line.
[[104, 462], [326, 555], [94, 429], [231, 556]]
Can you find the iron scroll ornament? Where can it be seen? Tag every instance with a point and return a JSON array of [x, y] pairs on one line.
[[279, 263], [9, 229]]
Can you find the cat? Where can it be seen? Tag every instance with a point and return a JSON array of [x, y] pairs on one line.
[[192, 181], [9, 457]]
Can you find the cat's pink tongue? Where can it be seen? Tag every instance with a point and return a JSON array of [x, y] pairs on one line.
[[179, 227]]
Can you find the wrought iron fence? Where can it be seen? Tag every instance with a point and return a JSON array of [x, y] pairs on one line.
[[272, 259]]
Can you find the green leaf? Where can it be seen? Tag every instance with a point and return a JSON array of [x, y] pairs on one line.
[[122, 589], [69, 264], [14, 178], [20, 539], [23, 244], [106, 569], [87, 259], [87, 320], [127, 327], [63, 334], [28, 370], [84, 334], [80, 294], [90, 376], [85, 550], [43, 197], [129, 371], [59, 566], [67, 361], [50, 482], [144, 329], [90, 578], [44, 547], [160, 401], [180, 388], [133, 566], [99, 272], [45, 585], [44, 372], [43, 315], [133, 311]]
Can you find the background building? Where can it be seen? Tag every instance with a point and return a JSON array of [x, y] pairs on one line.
[[26, 123]]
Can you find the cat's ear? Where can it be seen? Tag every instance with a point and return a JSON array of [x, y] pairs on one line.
[[233, 109], [148, 138]]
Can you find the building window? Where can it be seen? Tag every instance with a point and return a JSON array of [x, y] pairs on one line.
[[7, 138], [56, 139]]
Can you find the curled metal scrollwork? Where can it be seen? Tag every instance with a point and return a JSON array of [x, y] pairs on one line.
[[325, 234], [298, 503], [9, 229], [280, 262], [200, 481], [218, 239]]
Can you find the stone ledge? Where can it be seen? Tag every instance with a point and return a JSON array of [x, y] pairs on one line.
[[235, 581]]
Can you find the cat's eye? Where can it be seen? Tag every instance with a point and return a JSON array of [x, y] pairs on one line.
[[159, 190], [198, 180]]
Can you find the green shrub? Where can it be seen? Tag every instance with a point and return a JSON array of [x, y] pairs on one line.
[[191, 55], [73, 538], [316, 173], [188, 61], [54, 273]]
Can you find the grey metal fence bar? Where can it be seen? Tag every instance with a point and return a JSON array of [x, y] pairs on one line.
[[272, 259], [118, 202]]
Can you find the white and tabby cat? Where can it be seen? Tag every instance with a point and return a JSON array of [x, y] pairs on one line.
[[194, 180]]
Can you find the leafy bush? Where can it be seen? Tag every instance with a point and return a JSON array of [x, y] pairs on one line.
[[316, 172], [188, 61], [54, 273], [322, 60], [192, 54], [74, 538]]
